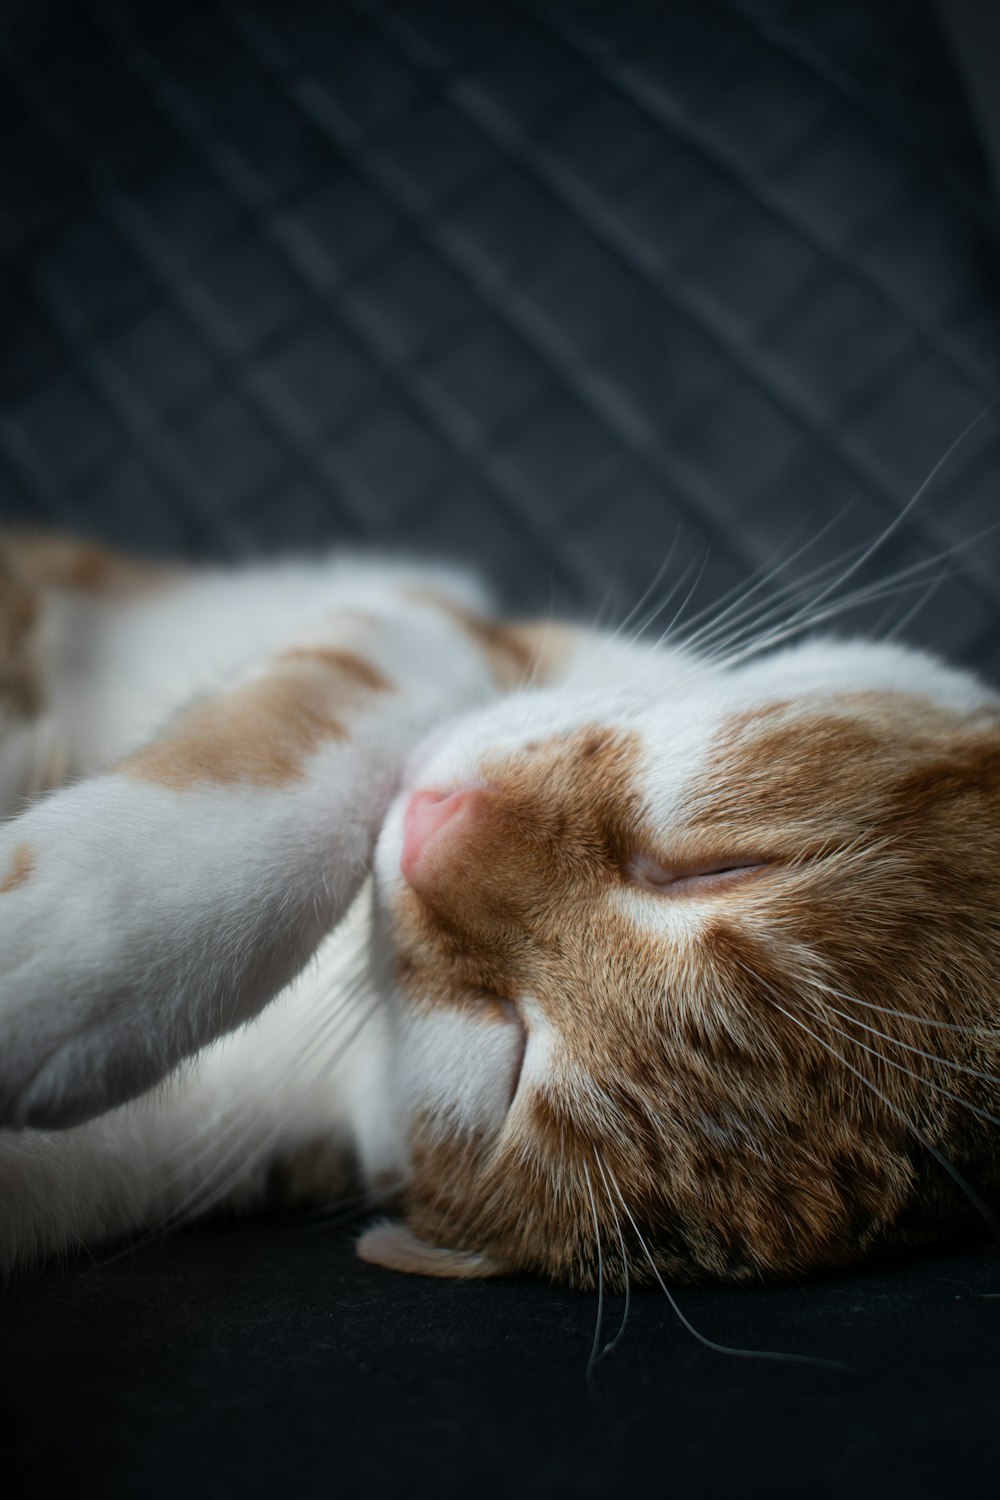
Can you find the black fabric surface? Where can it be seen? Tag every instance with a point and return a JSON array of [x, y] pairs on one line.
[[575, 291]]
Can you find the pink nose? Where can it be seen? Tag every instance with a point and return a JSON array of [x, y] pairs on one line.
[[433, 819]]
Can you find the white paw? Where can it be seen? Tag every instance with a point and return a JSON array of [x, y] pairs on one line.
[[115, 959], [72, 1037]]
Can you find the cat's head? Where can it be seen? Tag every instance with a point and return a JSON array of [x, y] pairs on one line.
[[695, 967]]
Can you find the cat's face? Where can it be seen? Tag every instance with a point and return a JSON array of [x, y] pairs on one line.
[[676, 952]]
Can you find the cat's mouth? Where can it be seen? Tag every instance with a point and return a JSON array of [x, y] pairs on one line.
[[513, 1017]]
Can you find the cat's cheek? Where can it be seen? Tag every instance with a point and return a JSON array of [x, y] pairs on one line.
[[676, 925]]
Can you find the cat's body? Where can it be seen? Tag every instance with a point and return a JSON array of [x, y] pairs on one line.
[[666, 960]]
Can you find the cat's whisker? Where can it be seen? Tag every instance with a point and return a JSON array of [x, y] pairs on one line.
[[599, 1322], [883, 631], [624, 1256], [289, 1057], [793, 603], [638, 638], [717, 1348], [904, 1015], [842, 566], [899, 1067], [899, 521], [532, 671], [307, 1045], [679, 612], [802, 624], [944, 1062], [809, 614], [606, 642], [623, 625], [741, 609], [607, 639], [745, 642], [900, 582], [919, 1135], [216, 1190], [857, 558]]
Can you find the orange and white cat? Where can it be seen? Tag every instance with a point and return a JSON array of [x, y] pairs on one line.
[[668, 964]]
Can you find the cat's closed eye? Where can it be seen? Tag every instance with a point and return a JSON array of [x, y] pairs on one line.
[[704, 878]]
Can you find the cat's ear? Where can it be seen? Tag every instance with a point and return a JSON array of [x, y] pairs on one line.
[[392, 1245]]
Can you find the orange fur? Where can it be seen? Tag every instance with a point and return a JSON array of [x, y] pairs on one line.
[[347, 663], [258, 735], [49, 560], [518, 651], [21, 868], [767, 1085], [20, 675], [751, 1122]]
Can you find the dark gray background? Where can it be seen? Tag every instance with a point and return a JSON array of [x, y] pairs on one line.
[[576, 291], [554, 287]]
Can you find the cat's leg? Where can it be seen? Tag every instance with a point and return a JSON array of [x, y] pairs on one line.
[[160, 1159], [259, 1120], [150, 909], [29, 755], [57, 597]]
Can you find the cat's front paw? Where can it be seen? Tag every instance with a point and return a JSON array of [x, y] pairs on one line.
[[69, 1023], [149, 910]]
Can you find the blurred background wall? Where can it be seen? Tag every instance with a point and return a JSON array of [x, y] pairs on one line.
[[573, 290], [578, 290]]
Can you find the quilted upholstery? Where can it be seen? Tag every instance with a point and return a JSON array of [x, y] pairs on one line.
[[578, 290], [553, 287]]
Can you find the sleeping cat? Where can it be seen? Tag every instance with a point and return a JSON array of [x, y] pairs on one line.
[[579, 955]]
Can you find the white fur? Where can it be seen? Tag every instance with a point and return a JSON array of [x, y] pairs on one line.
[[155, 920], [182, 913]]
